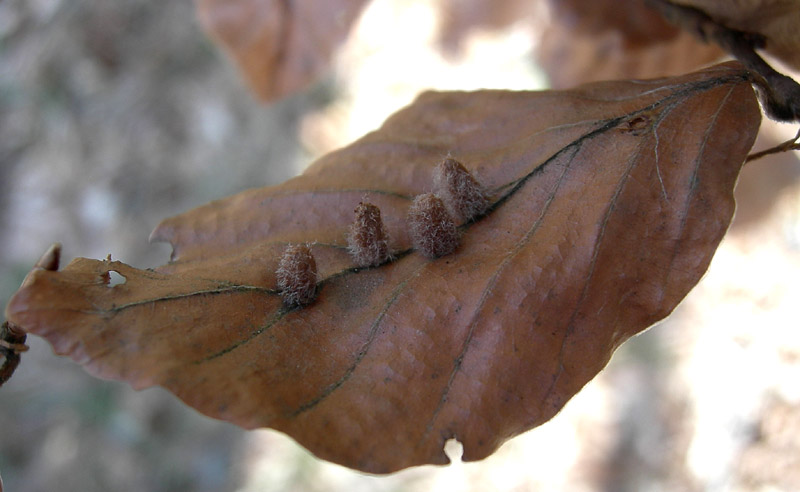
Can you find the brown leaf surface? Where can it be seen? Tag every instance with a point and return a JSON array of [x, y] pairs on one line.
[[280, 46], [590, 40], [607, 204]]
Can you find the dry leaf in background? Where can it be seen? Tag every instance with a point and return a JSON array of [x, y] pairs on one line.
[[586, 41], [607, 203], [780, 94], [608, 39], [279, 46], [776, 20]]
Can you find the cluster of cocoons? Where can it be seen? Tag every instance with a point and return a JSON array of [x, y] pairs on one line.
[[432, 217], [431, 221]]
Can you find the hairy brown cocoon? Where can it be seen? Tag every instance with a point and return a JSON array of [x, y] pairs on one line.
[[461, 193], [297, 275], [368, 241], [432, 228]]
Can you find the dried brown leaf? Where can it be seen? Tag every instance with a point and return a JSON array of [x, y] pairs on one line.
[[280, 46], [590, 40], [607, 204], [776, 20]]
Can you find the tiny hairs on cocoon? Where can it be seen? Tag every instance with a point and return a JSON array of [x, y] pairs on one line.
[[432, 229], [368, 241], [297, 276], [461, 193]]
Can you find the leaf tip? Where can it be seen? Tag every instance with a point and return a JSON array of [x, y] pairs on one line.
[[51, 258]]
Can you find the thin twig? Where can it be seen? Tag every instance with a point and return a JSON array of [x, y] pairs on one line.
[[16, 348], [786, 146], [12, 343]]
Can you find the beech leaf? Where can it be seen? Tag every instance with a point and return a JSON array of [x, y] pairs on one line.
[[279, 46], [606, 204], [776, 20], [590, 40]]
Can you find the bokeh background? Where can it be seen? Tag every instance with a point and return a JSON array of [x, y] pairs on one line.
[[114, 115]]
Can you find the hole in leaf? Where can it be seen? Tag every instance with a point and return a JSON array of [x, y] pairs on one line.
[[115, 278], [454, 450]]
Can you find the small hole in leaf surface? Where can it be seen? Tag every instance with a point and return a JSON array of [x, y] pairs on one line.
[[115, 278], [454, 450]]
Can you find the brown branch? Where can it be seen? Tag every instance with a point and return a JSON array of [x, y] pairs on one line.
[[12, 343], [12, 337], [786, 146], [780, 94]]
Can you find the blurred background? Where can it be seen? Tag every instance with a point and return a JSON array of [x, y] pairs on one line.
[[115, 115]]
